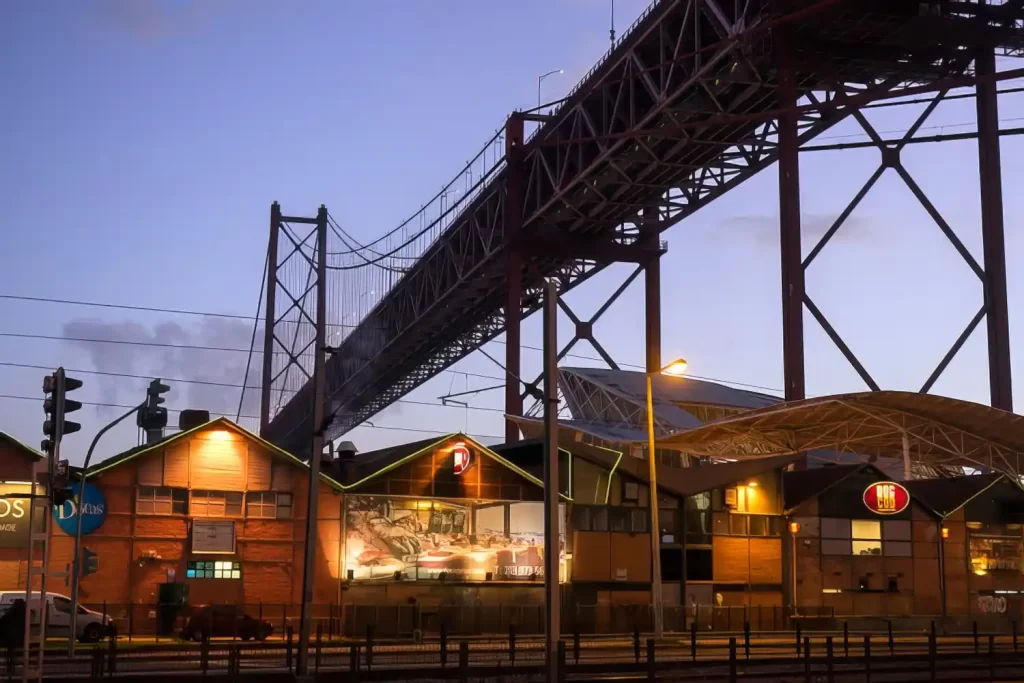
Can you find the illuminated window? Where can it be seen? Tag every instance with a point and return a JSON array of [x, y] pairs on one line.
[[216, 504], [268, 505], [213, 570], [867, 537], [161, 500]]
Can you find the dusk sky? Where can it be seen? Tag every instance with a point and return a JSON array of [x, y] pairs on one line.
[[144, 141]]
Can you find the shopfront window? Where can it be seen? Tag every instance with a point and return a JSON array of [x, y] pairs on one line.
[[995, 548], [213, 570]]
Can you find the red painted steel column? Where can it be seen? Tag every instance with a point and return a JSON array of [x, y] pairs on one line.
[[513, 223], [652, 293], [270, 313], [789, 228], [992, 233]]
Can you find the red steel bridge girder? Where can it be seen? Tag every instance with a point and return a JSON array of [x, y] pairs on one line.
[[703, 71]]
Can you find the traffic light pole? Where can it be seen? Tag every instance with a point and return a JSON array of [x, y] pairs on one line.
[[77, 562]]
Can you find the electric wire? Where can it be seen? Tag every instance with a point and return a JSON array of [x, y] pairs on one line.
[[101, 404]]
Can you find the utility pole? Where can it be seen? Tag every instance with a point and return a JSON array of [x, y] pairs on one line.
[[552, 603], [319, 425]]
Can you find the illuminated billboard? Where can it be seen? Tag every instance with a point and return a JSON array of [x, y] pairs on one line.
[[455, 541]]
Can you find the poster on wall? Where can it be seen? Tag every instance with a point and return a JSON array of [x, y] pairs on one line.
[[425, 539]]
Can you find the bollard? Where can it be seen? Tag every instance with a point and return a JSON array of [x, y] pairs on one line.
[[651, 668], [798, 639], [131, 619], [829, 664], [974, 629], [204, 655], [353, 658], [807, 660], [746, 639], [512, 643], [464, 661], [319, 638], [933, 629], [288, 647], [576, 646], [891, 645], [1013, 626], [636, 644], [867, 659], [561, 660], [732, 660], [330, 622], [444, 645], [112, 657], [693, 640], [991, 657], [933, 649], [846, 639]]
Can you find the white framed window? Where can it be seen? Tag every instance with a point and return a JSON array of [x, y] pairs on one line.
[[268, 505], [216, 504], [161, 500]]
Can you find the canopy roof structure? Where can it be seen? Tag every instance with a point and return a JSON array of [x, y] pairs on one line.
[[931, 433]]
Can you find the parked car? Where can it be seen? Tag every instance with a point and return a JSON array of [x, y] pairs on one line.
[[90, 626], [224, 621]]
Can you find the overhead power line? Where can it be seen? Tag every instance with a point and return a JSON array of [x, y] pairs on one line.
[[391, 428]]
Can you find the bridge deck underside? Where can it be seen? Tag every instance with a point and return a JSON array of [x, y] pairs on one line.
[[679, 113]]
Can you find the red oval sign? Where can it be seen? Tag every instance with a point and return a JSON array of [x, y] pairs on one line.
[[886, 498]]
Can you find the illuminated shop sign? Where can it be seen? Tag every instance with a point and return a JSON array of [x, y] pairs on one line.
[[445, 540], [886, 498], [461, 458]]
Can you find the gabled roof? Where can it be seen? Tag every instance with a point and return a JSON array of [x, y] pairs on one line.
[[946, 495], [28, 450], [672, 389], [223, 422], [374, 464], [802, 485]]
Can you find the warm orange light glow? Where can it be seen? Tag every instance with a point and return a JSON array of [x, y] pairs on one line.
[[220, 435], [752, 484], [945, 532], [676, 368], [794, 527]]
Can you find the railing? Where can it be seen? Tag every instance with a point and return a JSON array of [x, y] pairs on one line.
[[807, 656]]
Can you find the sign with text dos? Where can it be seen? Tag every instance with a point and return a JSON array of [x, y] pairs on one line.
[[14, 522], [94, 504], [886, 498]]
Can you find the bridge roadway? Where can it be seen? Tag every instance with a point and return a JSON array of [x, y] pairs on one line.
[[680, 112]]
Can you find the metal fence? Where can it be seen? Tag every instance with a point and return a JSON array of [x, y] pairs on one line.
[[701, 656], [414, 621]]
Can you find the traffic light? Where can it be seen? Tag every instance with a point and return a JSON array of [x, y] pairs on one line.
[[56, 406], [90, 562], [153, 415]]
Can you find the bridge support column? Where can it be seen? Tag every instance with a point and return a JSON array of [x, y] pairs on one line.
[[652, 292], [992, 233], [269, 318], [513, 223], [789, 228]]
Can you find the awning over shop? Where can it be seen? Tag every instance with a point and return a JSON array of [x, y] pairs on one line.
[[929, 432]]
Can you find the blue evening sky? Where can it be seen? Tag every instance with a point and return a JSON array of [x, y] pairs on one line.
[[143, 141]]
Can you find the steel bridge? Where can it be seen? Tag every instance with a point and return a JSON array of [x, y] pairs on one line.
[[695, 98]]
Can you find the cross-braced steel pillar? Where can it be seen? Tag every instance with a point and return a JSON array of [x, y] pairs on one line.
[[514, 272], [789, 227], [269, 319], [994, 281], [652, 290]]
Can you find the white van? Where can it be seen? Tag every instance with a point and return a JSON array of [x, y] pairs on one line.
[[91, 626]]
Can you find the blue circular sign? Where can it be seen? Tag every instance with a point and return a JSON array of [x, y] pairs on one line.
[[95, 504]]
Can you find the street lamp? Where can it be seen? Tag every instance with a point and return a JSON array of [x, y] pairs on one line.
[[676, 368], [540, 79]]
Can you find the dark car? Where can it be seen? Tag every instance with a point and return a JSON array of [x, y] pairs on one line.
[[224, 621]]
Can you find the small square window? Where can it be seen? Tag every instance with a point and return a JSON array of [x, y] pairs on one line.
[[738, 525]]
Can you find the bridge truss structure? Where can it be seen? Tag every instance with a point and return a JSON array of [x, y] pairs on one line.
[[694, 99]]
